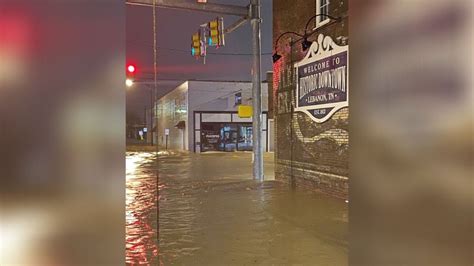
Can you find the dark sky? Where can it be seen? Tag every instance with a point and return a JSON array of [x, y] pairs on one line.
[[174, 30]]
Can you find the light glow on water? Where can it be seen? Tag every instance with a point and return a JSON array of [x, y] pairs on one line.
[[141, 210]]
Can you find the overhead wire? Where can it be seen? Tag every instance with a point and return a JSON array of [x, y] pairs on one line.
[[188, 52]]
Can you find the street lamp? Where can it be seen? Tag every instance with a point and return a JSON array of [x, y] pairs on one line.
[[305, 44], [129, 82], [276, 56]]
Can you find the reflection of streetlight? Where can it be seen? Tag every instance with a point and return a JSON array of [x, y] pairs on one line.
[[129, 82]]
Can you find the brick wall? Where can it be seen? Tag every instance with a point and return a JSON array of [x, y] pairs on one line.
[[307, 154], [270, 99]]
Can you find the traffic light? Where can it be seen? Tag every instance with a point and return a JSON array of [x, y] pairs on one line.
[[209, 34], [198, 47], [216, 32], [130, 70]]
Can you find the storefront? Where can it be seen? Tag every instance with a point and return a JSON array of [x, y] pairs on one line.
[[226, 137], [225, 131], [201, 116]]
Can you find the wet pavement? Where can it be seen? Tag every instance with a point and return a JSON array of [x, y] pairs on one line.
[[213, 213], [141, 209]]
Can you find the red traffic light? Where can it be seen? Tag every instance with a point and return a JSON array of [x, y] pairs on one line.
[[131, 68]]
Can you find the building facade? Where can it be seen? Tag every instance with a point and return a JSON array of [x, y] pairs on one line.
[[200, 116], [310, 94]]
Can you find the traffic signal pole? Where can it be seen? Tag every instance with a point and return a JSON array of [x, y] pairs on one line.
[[236, 25], [149, 132], [252, 13], [255, 20]]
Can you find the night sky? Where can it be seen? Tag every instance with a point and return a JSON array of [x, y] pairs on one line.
[[174, 60]]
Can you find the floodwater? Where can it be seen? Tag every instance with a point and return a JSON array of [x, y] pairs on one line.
[[141, 235], [211, 212]]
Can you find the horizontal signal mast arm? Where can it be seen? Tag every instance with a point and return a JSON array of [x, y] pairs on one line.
[[186, 5], [236, 25]]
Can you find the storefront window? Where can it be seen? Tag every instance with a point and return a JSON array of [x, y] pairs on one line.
[[245, 138], [226, 137], [210, 137]]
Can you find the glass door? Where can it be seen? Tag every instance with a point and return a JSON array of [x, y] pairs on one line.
[[245, 142], [229, 136]]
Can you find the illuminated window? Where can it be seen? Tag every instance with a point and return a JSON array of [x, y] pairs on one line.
[[322, 7]]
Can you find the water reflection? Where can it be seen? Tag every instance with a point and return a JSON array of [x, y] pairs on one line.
[[141, 210]]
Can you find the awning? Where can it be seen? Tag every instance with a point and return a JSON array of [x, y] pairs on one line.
[[181, 125]]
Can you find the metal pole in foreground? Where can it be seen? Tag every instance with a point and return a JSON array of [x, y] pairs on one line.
[[255, 20], [150, 129]]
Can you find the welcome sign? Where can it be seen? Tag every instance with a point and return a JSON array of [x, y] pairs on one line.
[[322, 86]]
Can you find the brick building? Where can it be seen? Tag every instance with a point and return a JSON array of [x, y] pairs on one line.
[[308, 152]]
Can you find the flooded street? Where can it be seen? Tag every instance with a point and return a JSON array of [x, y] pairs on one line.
[[141, 210], [212, 213]]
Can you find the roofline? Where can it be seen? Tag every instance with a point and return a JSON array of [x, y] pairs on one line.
[[224, 81], [202, 80], [180, 84]]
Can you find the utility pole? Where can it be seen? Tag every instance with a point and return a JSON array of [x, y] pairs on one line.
[[252, 13], [256, 20], [150, 130]]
